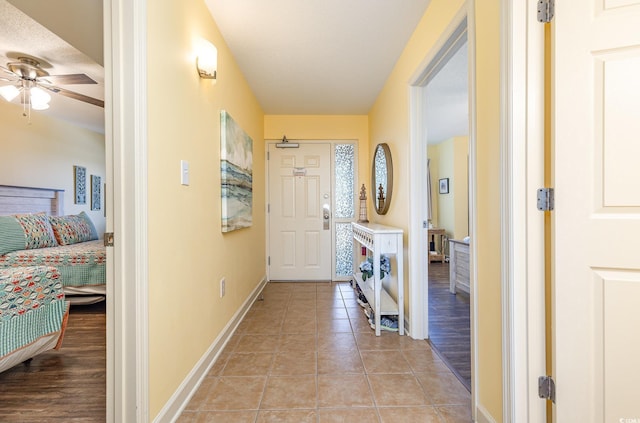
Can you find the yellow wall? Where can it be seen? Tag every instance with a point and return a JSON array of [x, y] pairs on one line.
[[449, 160], [188, 254], [487, 176], [389, 122], [446, 202], [460, 186], [441, 166], [325, 127], [433, 153], [43, 153]]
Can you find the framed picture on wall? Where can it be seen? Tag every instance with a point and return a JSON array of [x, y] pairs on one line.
[[80, 184], [236, 166], [444, 186], [96, 185]]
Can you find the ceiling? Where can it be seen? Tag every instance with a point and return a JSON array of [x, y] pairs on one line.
[[447, 99], [299, 57], [316, 57]]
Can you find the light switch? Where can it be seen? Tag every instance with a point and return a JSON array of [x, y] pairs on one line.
[[184, 172]]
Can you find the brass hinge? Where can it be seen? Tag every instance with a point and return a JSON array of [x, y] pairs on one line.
[[547, 388], [546, 10], [108, 239]]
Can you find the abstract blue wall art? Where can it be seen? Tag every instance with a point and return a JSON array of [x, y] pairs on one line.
[[236, 167]]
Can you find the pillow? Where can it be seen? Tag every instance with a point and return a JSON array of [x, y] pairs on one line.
[[11, 235], [72, 229], [37, 230], [92, 228]]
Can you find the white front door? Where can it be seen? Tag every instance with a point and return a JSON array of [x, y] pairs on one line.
[[300, 212], [596, 332]]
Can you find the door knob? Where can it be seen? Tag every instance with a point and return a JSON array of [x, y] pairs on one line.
[[326, 217]]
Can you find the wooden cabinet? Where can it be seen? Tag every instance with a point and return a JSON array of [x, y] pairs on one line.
[[438, 254], [379, 240], [459, 266]]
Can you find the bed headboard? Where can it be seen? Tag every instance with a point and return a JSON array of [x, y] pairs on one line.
[[15, 200]]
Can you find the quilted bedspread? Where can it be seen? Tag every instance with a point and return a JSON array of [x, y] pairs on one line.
[[81, 264], [32, 305]]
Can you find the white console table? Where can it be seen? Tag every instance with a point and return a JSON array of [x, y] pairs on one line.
[[380, 239]]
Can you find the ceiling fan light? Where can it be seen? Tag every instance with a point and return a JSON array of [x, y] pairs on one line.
[[39, 106], [39, 97], [9, 92]]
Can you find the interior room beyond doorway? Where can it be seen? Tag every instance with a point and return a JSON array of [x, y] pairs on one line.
[[447, 122]]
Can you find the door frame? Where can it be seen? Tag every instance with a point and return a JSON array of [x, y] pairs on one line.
[[127, 350], [125, 66], [523, 246], [418, 248], [419, 322], [333, 143]]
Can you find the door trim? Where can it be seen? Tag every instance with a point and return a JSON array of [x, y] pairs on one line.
[[126, 139], [418, 271], [333, 143], [522, 172]]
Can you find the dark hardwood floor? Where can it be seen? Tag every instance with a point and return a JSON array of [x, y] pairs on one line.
[[68, 385], [449, 323]]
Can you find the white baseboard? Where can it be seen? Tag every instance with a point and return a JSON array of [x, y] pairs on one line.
[[181, 397], [407, 328], [483, 416]]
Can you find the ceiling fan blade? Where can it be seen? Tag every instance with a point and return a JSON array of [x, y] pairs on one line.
[[2, 78], [8, 71], [71, 79], [74, 95]]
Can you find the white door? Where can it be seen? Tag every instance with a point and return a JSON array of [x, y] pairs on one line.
[[596, 307], [300, 212]]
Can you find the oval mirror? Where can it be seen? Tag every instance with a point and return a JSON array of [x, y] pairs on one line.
[[382, 178]]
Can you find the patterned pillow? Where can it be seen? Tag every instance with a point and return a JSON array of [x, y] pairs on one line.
[[72, 229], [11, 235], [37, 230]]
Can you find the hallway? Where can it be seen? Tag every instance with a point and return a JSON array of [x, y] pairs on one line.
[[306, 353]]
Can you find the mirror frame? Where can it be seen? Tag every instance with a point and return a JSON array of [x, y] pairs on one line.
[[387, 201]]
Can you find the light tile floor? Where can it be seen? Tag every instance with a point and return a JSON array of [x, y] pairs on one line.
[[306, 353]]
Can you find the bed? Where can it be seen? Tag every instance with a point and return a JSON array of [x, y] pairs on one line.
[[82, 265], [33, 313]]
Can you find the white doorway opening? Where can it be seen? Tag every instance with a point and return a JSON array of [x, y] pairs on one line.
[[459, 31]]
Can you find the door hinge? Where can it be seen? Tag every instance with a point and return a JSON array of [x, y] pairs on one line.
[[268, 260], [267, 155], [547, 388], [546, 10], [546, 199], [269, 208], [108, 239]]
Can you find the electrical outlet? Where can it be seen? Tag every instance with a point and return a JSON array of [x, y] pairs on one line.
[[222, 287]]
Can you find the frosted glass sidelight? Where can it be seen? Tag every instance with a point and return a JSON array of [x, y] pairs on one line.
[[344, 249], [345, 181]]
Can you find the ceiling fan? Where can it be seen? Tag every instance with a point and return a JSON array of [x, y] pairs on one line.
[[28, 79]]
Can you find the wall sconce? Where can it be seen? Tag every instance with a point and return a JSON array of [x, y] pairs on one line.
[[207, 61]]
